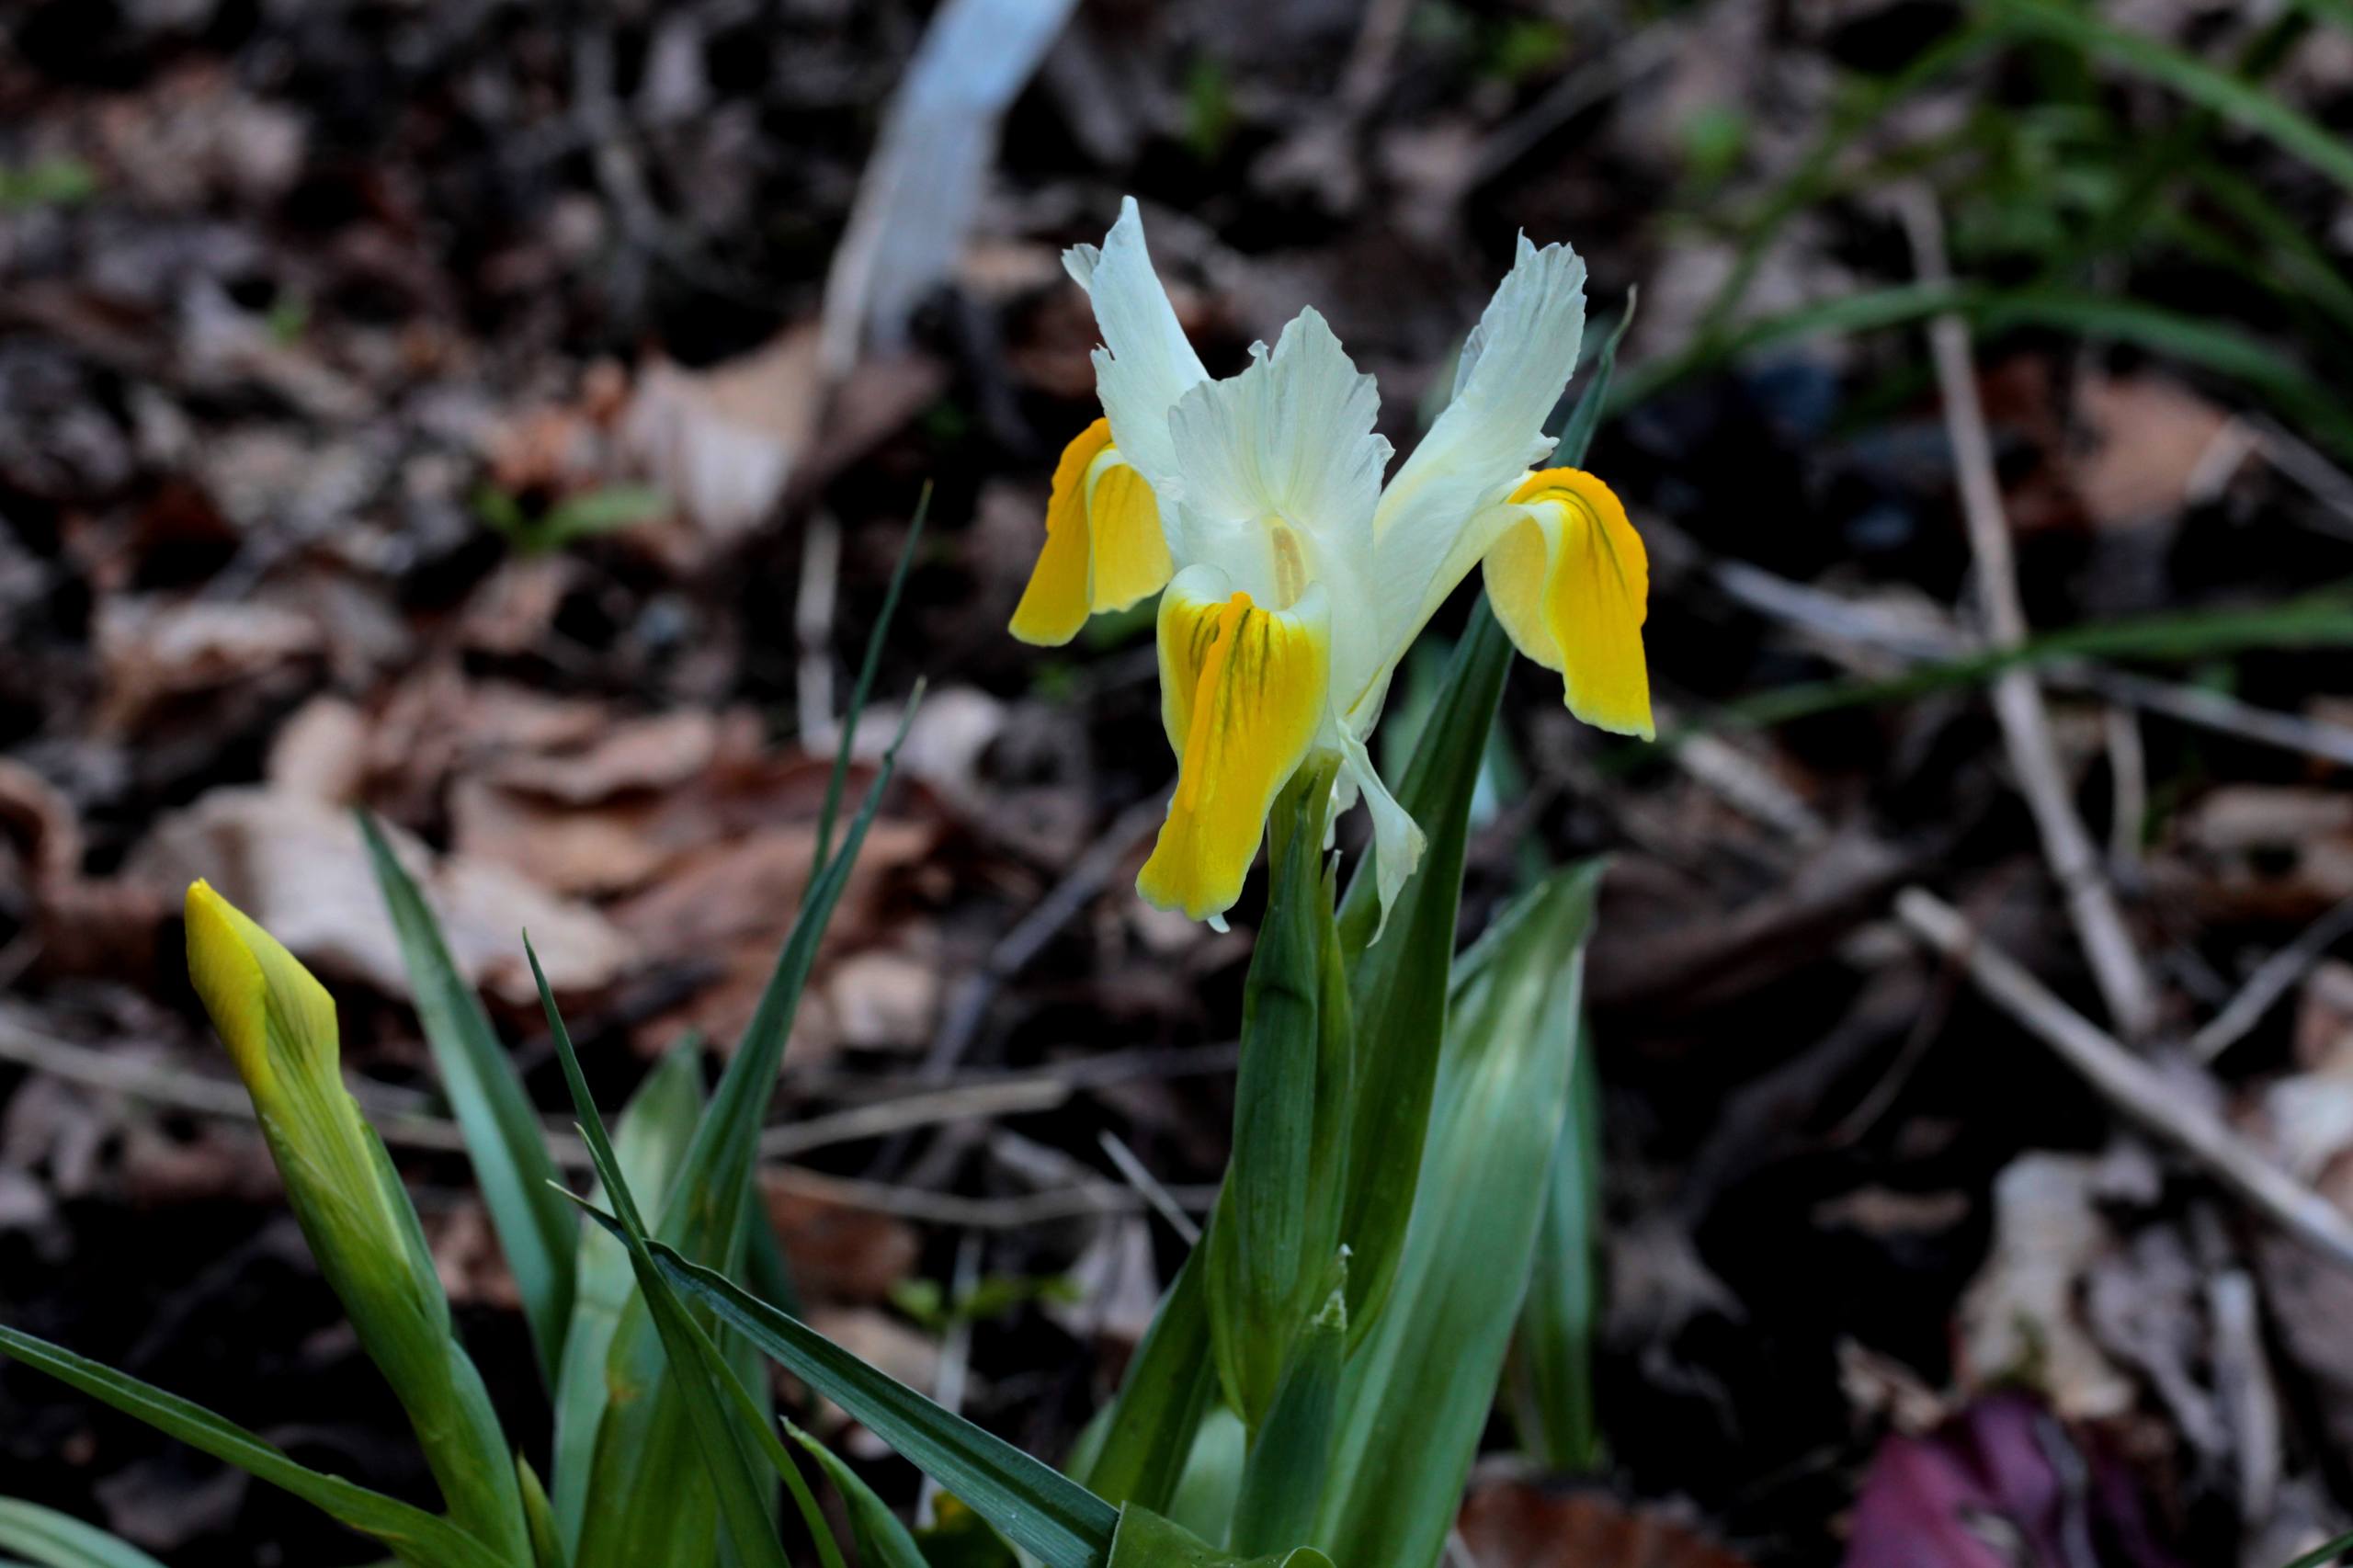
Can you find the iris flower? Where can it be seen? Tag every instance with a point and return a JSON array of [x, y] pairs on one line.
[[1292, 579]]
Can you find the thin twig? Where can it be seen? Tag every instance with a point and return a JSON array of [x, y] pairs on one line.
[[2270, 982], [1019, 946], [1877, 640], [198, 1093], [1148, 1186], [2018, 699], [2134, 1088]]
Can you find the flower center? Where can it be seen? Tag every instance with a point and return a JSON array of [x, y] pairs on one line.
[[1291, 562]]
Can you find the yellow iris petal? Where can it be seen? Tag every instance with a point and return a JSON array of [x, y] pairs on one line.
[[1104, 547], [1571, 583], [1243, 693]]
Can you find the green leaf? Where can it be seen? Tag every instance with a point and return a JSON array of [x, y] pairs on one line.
[[882, 1540], [865, 687], [1419, 1393], [415, 1535], [536, 1229], [1170, 1383], [713, 1402], [655, 1128], [1038, 1509], [1398, 985], [1274, 1240], [958, 1537], [46, 1539], [1147, 1541], [647, 1501], [2241, 102], [547, 1541], [1285, 1473], [2327, 1556], [1552, 1371]]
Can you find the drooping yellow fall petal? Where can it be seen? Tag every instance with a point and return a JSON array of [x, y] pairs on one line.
[[1243, 693], [1570, 581], [1104, 547], [1132, 559]]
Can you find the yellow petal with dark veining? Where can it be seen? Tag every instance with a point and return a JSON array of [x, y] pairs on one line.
[[1570, 581], [1104, 547], [1243, 693]]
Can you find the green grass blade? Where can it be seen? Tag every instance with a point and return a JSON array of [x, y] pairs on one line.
[[865, 687], [539, 1517], [644, 1494], [882, 1540], [714, 1404], [46, 1539], [537, 1231], [2327, 1556], [417, 1537], [654, 1131], [1169, 1386], [1419, 1393], [2242, 103], [1552, 1371], [2321, 619], [1039, 1509]]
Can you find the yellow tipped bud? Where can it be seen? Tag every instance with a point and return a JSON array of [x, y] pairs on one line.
[[278, 1024]]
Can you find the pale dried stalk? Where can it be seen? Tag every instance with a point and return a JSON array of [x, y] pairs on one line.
[[2018, 699], [2129, 1084]]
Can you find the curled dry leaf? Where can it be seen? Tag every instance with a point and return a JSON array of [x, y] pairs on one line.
[[2018, 1318], [300, 870]]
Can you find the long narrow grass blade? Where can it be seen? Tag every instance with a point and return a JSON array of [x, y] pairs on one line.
[[2327, 1556], [644, 1490], [1035, 1507], [419, 1538], [2241, 102], [1170, 1384], [536, 1229], [882, 1540], [46, 1539], [1552, 1372], [865, 687], [1419, 1390], [2321, 619], [654, 1131], [714, 1404]]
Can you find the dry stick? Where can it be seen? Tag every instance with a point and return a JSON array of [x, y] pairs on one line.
[[1844, 627], [1148, 1186], [201, 1095], [2134, 1088], [2018, 700], [2270, 982], [1015, 950]]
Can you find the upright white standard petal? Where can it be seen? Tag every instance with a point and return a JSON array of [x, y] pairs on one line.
[[1282, 472], [1145, 363], [1514, 367]]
